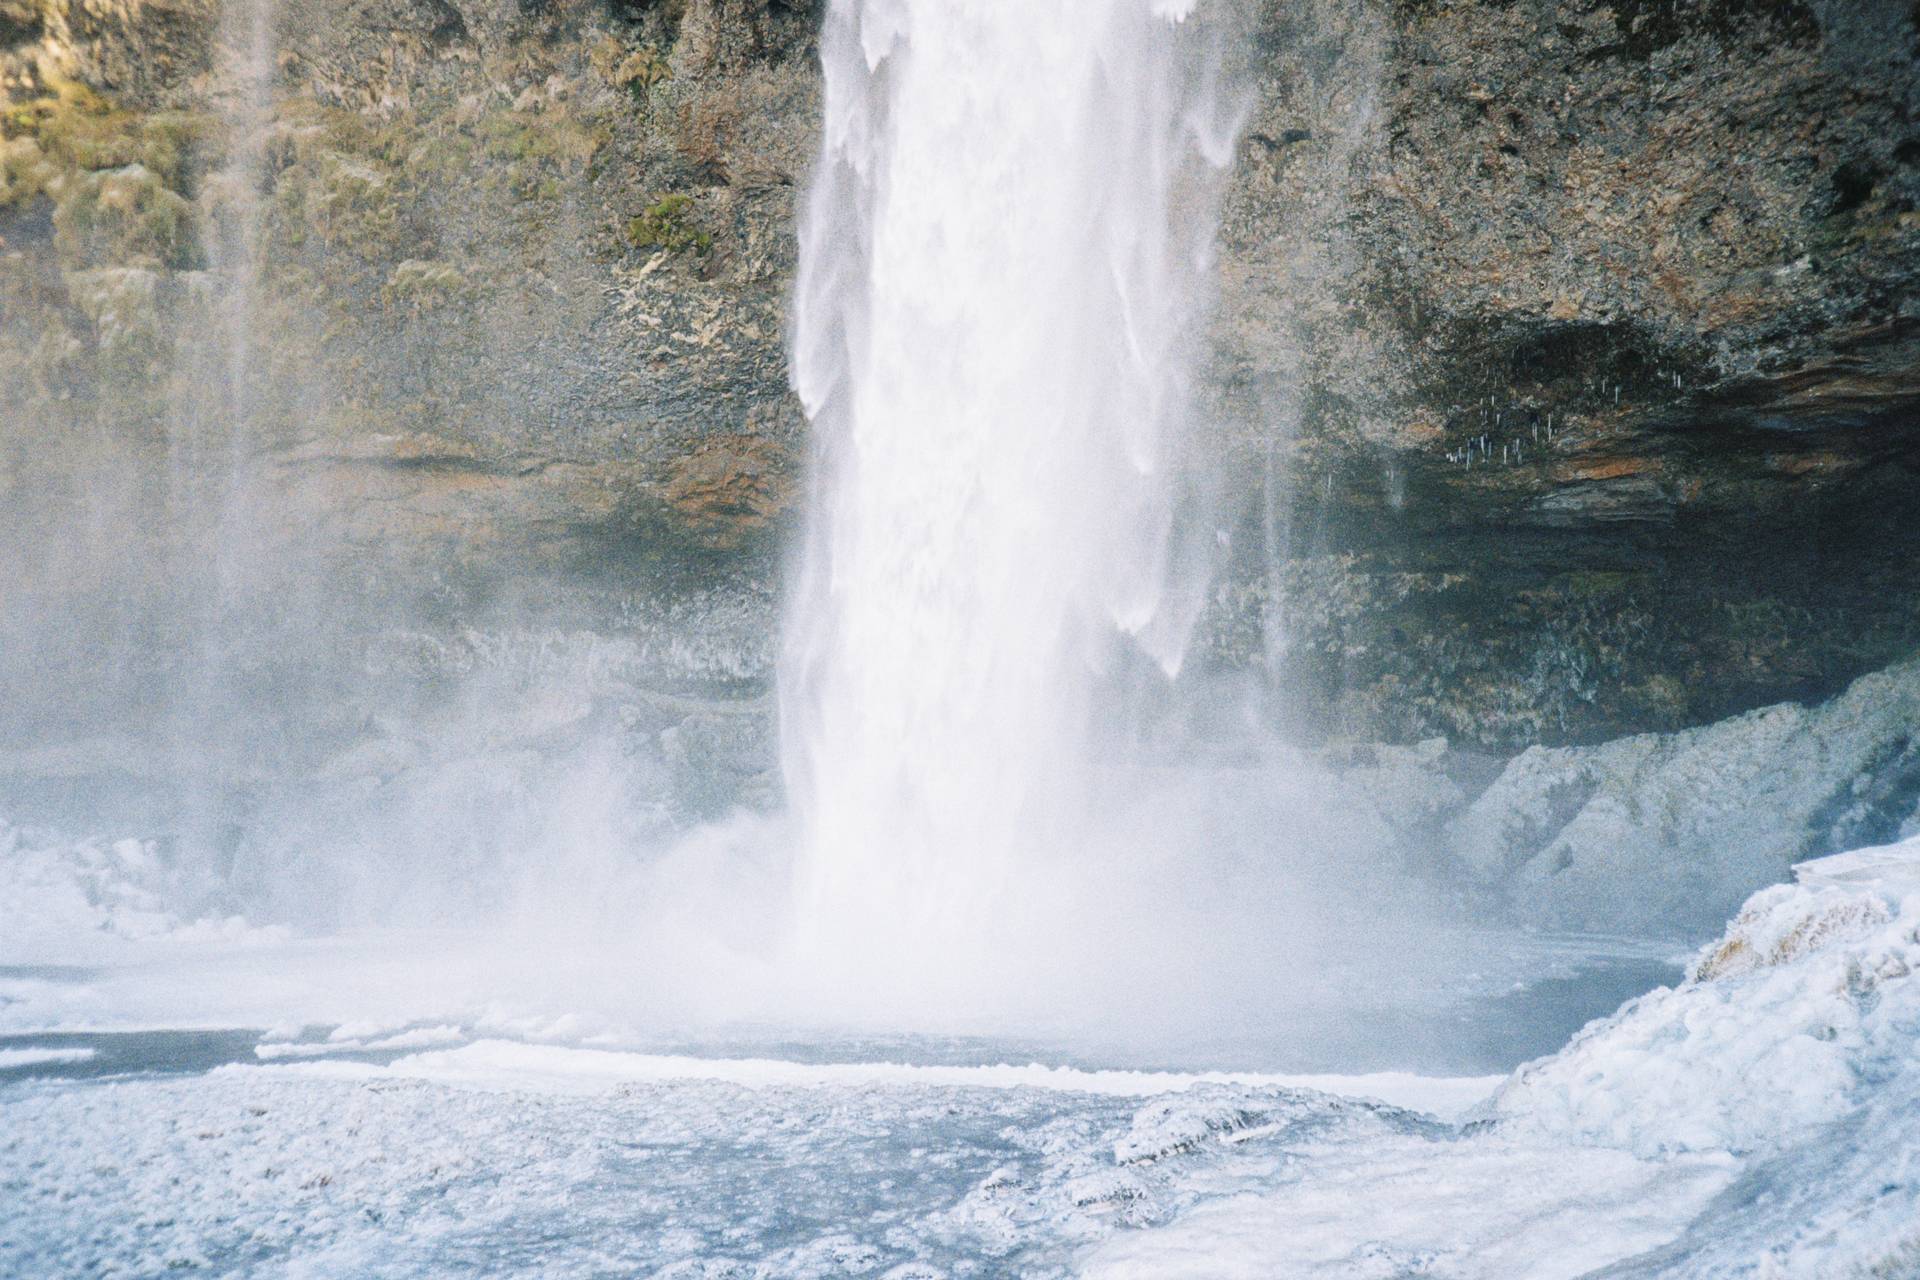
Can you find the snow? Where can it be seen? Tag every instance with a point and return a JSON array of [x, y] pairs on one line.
[[1475, 1209], [1806, 1004], [38, 1055], [1759, 1119]]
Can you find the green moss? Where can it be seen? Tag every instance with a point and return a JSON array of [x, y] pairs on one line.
[[78, 129], [665, 225], [551, 137]]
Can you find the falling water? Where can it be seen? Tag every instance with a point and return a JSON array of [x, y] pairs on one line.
[[214, 427], [1002, 273]]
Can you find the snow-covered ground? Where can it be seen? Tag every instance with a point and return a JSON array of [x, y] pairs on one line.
[[1761, 1118]]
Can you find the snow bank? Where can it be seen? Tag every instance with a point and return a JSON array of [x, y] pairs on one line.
[[413, 1038], [1807, 1001], [1762, 1119], [1484, 1210]]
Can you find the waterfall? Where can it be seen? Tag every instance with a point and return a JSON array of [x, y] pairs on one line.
[[219, 516], [1002, 275]]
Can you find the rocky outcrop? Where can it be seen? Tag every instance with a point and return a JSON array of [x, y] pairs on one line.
[[142, 51]]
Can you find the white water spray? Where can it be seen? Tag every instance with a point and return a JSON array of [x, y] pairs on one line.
[[1002, 274]]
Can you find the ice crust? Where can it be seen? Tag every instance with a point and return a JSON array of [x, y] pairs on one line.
[[38, 1055], [1681, 827], [337, 1169]]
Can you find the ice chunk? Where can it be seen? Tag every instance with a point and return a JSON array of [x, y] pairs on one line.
[[1806, 1004]]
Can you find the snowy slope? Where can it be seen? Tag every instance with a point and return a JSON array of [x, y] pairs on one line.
[[1761, 1119]]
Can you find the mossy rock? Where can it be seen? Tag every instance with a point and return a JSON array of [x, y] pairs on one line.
[[348, 203], [552, 137], [130, 328], [116, 177], [25, 171], [637, 69], [667, 224], [76, 128], [121, 217]]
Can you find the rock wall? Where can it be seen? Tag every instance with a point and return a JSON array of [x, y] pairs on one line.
[[1580, 340], [509, 402], [1563, 382]]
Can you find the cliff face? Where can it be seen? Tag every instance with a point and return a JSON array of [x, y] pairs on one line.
[[1583, 338], [460, 356], [1564, 380]]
